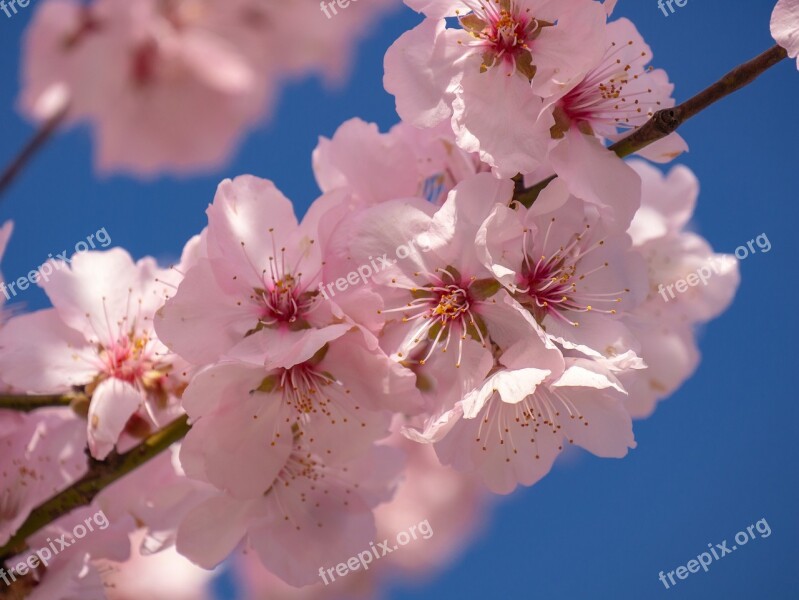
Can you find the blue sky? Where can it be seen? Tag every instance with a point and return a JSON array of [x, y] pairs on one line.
[[715, 458]]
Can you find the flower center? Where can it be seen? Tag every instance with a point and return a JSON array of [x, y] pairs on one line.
[[283, 301], [452, 304], [556, 285], [303, 389], [445, 303], [504, 33], [128, 358], [619, 93]]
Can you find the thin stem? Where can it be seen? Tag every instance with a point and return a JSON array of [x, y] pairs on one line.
[[26, 403], [101, 474], [30, 149], [666, 121]]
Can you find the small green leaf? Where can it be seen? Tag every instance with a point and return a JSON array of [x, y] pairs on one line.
[[482, 289]]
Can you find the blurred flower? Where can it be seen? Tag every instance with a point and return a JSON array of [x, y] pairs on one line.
[[172, 85]]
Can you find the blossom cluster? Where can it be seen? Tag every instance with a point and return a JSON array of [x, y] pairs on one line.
[[172, 85], [511, 326]]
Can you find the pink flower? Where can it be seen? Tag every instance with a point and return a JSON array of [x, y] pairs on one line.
[[440, 291], [99, 338], [173, 86], [259, 276], [672, 253], [574, 275], [406, 162], [163, 84], [663, 324], [785, 26], [335, 396], [312, 514], [40, 455], [299, 39], [620, 92], [511, 429], [443, 314], [496, 75], [452, 503]]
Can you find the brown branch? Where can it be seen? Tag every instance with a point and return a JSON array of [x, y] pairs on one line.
[[30, 149], [25, 403], [666, 121]]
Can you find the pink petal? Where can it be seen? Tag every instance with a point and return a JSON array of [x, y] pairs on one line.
[[421, 74], [113, 403], [785, 26], [40, 354]]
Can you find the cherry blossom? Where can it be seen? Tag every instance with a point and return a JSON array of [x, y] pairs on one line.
[[663, 325], [476, 289], [41, 454], [242, 409], [257, 275], [172, 86], [321, 512], [495, 75], [573, 274], [511, 430], [99, 338], [405, 162]]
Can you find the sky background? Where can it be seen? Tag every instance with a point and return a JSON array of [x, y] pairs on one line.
[[715, 458]]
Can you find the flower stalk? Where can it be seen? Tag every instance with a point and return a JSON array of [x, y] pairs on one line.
[[666, 121]]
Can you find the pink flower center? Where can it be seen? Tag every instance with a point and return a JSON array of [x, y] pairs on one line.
[[144, 64], [284, 299], [129, 359], [556, 284], [445, 303], [452, 303], [281, 303], [616, 94], [504, 32], [303, 390]]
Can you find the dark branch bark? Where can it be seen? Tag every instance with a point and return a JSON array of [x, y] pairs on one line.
[[31, 148], [668, 120]]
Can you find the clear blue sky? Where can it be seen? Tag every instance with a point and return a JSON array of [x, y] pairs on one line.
[[716, 457]]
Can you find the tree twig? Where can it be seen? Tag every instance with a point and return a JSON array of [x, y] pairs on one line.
[[25, 403], [666, 121], [30, 149], [101, 474]]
